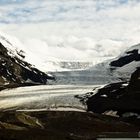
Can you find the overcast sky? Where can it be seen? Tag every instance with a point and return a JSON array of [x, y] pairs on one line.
[[101, 28], [31, 11]]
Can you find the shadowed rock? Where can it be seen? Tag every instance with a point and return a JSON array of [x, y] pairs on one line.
[[124, 60], [118, 97]]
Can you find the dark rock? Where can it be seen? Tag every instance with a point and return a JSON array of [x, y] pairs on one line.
[[117, 97], [134, 84], [131, 56]]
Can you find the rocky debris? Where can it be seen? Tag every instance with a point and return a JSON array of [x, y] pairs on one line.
[[14, 71], [122, 97], [61, 125]]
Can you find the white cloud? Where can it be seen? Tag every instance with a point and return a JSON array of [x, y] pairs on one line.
[[58, 10], [74, 29]]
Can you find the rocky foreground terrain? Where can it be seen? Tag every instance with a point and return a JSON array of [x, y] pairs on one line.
[[57, 125]]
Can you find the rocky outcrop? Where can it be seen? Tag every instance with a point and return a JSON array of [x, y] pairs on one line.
[[14, 71], [126, 63], [121, 97]]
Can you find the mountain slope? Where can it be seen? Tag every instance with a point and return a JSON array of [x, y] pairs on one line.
[[14, 70], [121, 67]]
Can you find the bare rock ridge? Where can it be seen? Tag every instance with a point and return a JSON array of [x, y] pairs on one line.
[[15, 71]]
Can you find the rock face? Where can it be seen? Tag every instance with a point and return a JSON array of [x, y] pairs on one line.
[[135, 81], [118, 97], [14, 70]]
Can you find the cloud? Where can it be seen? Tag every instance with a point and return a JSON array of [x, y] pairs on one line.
[[73, 29], [18, 11]]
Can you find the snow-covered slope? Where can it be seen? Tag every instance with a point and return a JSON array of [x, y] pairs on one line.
[[41, 61], [38, 56], [56, 53], [28, 54], [121, 67], [127, 62]]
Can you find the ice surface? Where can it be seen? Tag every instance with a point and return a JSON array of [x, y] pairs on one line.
[[48, 97]]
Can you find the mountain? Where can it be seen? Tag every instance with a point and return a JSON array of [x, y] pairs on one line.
[[123, 96], [114, 70], [121, 67], [14, 71]]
